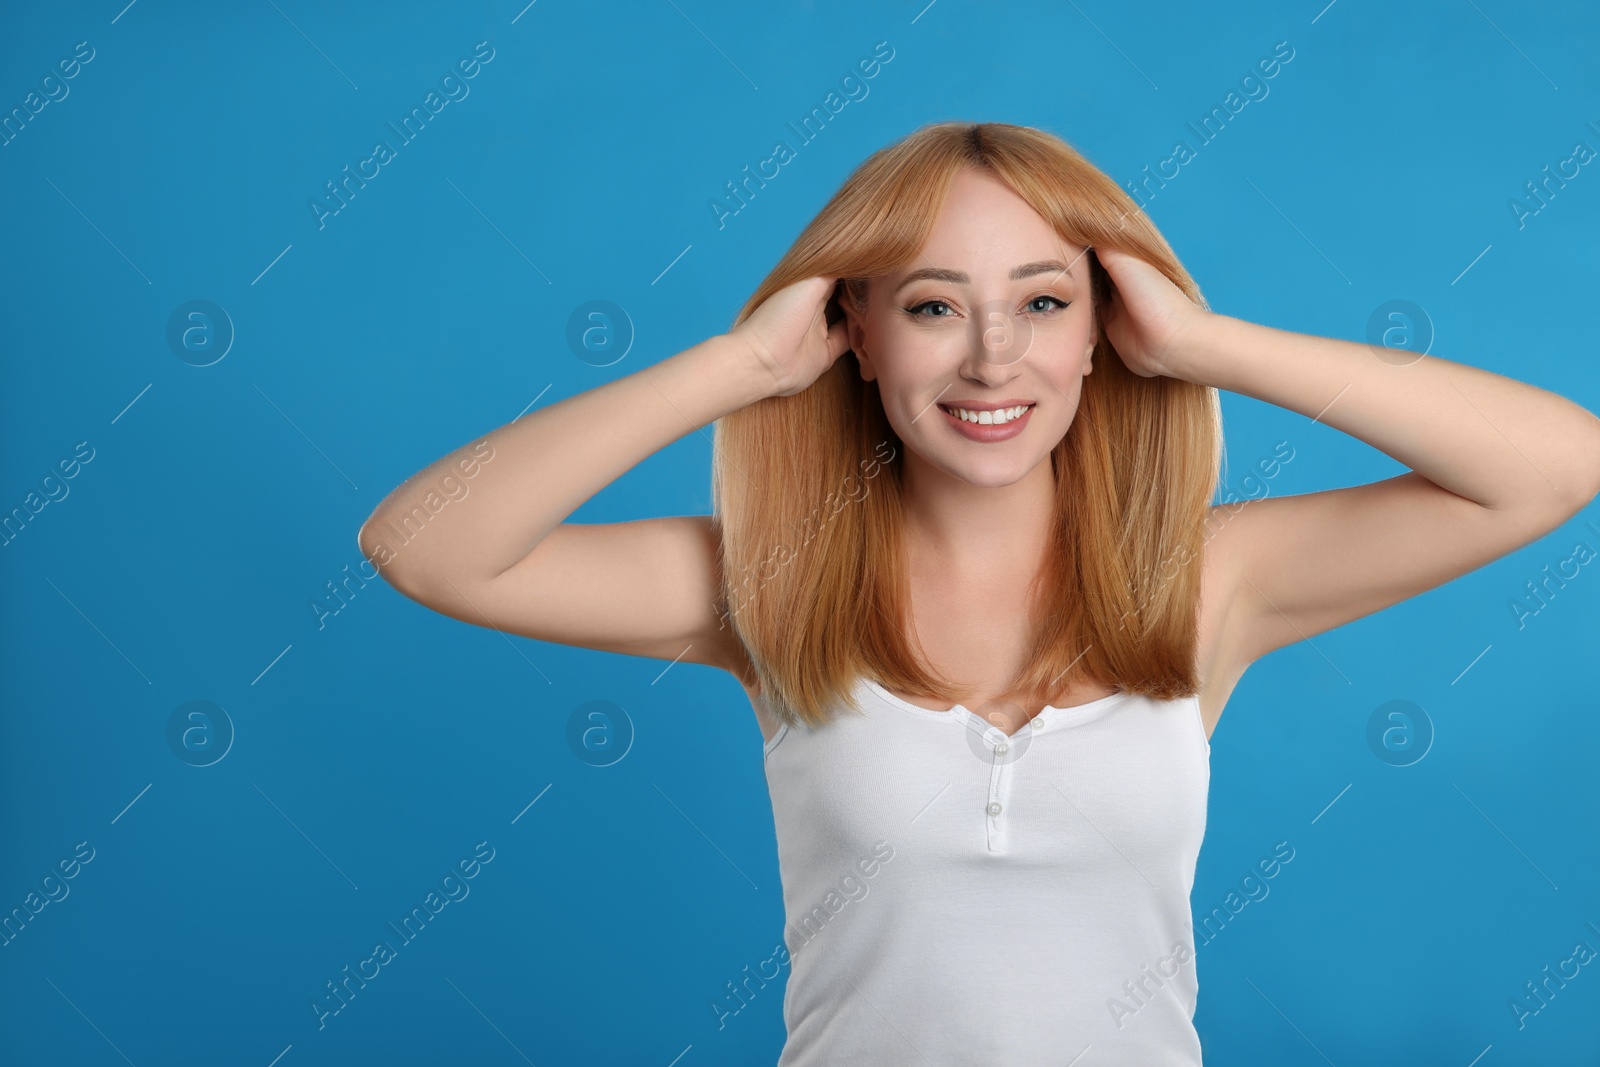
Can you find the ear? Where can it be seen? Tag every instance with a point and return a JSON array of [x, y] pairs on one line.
[[855, 331], [1096, 334]]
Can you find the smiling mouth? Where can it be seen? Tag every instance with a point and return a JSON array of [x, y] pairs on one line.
[[995, 417]]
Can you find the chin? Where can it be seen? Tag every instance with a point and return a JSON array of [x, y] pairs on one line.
[[993, 473]]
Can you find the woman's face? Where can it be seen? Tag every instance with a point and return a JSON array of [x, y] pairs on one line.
[[994, 315]]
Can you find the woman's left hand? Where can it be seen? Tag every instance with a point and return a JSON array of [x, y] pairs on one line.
[[1148, 315]]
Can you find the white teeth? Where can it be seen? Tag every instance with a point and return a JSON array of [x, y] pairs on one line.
[[988, 418]]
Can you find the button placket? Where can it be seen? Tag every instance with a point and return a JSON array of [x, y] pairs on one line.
[[999, 791]]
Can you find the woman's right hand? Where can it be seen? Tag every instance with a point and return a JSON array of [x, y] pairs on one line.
[[790, 336]]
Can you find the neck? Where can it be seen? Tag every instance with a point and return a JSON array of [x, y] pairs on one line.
[[978, 532]]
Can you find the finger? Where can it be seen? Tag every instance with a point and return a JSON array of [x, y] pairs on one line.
[[821, 294], [838, 340]]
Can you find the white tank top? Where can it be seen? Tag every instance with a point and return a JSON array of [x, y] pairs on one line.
[[955, 896]]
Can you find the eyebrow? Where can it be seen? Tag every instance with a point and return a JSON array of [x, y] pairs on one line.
[[958, 277]]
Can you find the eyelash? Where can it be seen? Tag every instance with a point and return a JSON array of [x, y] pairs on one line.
[[914, 310]]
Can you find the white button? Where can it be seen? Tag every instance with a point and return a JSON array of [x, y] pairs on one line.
[[1002, 748], [994, 807], [1036, 724]]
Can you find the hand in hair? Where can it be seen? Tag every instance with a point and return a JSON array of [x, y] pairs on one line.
[[1148, 314], [789, 334]]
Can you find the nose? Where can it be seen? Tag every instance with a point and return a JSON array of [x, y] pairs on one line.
[[1000, 341]]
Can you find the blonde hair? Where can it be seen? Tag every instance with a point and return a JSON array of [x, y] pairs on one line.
[[806, 488]]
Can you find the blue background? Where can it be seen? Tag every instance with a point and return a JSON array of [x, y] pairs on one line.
[[375, 747]]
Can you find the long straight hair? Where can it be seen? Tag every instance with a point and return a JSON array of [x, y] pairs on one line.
[[806, 489]]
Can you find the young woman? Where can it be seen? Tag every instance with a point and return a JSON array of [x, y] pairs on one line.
[[973, 584]]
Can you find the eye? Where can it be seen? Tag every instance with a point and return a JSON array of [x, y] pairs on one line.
[[915, 310], [923, 310]]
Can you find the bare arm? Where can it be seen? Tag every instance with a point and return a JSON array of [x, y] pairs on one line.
[[480, 535], [500, 554], [1494, 463]]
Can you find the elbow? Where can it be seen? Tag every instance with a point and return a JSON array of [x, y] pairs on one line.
[[1591, 488], [409, 573], [1594, 462], [371, 545], [1588, 486], [1583, 499], [1578, 494], [1571, 476], [376, 548]]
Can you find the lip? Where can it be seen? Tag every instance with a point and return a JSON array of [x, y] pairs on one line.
[[975, 431], [986, 405]]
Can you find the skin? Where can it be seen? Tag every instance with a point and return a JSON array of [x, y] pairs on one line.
[[977, 514], [1492, 464]]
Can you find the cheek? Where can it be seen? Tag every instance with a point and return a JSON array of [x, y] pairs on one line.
[[909, 364], [902, 400]]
